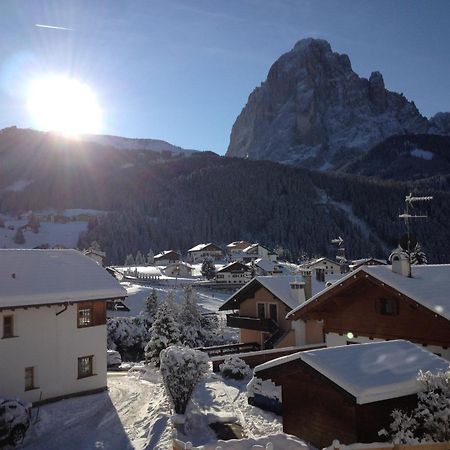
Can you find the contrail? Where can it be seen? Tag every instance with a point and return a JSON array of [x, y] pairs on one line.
[[52, 27]]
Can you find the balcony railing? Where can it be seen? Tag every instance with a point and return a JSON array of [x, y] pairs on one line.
[[251, 323]]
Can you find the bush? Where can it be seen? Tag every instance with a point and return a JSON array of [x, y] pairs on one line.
[[235, 367], [182, 368]]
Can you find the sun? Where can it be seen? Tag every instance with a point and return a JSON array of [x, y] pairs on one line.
[[65, 105]]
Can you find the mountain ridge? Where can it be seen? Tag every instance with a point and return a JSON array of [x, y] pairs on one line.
[[313, 110]]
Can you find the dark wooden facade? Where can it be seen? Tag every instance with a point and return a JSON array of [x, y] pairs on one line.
[[98, 311], [317, 410], [356, 306]]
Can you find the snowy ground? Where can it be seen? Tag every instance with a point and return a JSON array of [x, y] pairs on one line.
[[208, 299], [135, 414]]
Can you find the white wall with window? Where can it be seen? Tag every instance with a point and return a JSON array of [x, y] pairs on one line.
[[41, 350]]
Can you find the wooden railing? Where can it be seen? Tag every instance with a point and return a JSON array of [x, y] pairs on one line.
[[229, 349], [336, 445], [251, 323]]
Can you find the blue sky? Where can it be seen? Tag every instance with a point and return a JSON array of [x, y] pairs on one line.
[[182, 70]]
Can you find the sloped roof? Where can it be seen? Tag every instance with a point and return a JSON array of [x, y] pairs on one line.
[[266, 264], [429, 285], [201, 247], [234, 266], [251, 248], [165, 253], [238, 244], [278, 285], [39, 277], [370, 372]]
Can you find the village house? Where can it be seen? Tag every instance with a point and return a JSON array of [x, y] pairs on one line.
[[234, 273], [205, 251], [53, 323], [178, 269], [260, 308], [348, 392], [382, 303], [235, 249], [265, 267], [167, 257], [324, 266], [258, 251]]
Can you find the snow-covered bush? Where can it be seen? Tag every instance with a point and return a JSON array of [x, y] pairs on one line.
[[430, 420], [163, 333], [190, 319], [235, 367], [128, 335], [182, 368]]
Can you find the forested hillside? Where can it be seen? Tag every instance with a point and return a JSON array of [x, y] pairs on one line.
[[158, 201]]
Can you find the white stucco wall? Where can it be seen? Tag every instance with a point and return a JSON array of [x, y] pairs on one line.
[[334, 340], [52, 345]]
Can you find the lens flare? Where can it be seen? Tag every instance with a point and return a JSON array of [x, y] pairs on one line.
[[65, 105]]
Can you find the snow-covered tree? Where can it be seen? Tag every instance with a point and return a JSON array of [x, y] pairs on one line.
[[208, 269], [190, 319], [430, 420], [150, 257], [418, 255], [129, 260], [235, 367], [139, 259], [151, 305], [182, 368], [163, 333]]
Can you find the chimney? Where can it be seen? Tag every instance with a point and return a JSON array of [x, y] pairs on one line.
[[307, 278], [401, 264], [298, 291]]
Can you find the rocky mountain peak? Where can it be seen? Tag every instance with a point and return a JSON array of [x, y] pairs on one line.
[[314, 110]]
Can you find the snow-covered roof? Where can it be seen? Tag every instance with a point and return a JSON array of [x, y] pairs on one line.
[[253, 248], [321, 260], [370, 372], [429, 285], [39, 277], [164, 253], [239, 244], [234, 266], [201, 247], [179, 263], [266, 264]]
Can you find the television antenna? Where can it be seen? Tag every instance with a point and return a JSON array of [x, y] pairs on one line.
[[340, 250], [408, 213]]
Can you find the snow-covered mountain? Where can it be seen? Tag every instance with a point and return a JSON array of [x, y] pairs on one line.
[[123, 143], [315, 111]]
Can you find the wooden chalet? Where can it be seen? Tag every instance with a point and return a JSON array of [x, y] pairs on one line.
[[348, 392], [167, 257], [205, 251], [260, 308], [233, 273], [383, 303]]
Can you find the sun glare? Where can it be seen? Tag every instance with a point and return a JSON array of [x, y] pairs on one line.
[[65, 105]]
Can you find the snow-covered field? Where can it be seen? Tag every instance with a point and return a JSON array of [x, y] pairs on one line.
[[208, 300], [135, 414]]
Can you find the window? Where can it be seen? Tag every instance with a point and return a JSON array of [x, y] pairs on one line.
[[261, 311], [273, 311], [29, 378], [387, 306], [84, 317], [8, 326], [85, 366]]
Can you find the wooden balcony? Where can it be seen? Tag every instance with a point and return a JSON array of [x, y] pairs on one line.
[[251, 323]]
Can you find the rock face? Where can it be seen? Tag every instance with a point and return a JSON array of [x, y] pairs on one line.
[[314, 111]]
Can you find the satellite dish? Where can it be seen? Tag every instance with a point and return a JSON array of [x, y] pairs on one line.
[[404, 242]]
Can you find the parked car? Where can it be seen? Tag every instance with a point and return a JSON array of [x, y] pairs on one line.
[[15, 419]]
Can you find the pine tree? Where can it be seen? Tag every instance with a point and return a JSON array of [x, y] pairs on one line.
[[151, 305], [139, 260], [418, 255], [150, 257], [164, 332], [129, 260], [208, 269], [190, 319]]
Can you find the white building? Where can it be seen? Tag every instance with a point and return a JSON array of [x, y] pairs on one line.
[[53, 323], [233, 273], [179, 269], [167, 257], [324, 266], [258, 251], [205, 251]]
